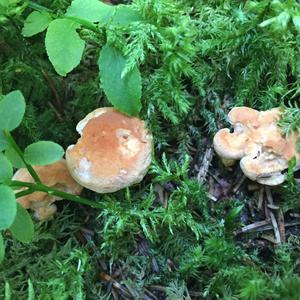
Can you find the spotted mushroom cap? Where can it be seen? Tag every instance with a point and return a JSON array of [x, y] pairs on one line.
[[113, 152], [55, 175], [264, 151]]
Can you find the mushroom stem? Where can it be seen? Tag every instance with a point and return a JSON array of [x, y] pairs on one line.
[[32, 187], [15, 146]]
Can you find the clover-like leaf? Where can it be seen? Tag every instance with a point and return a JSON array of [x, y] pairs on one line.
[[63, 45], [43, 153], [8, 207], [12, 109], [6, 169], [14, 158], [92, 10], [125, 15], [22, 228], [35, 23], [123, 92]]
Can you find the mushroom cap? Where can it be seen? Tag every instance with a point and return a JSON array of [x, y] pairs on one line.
[[244, 115], [55, 175], [259, 142], [263, 170], [113, 152], [230, 145]]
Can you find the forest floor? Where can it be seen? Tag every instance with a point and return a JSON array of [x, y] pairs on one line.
[[192, 229]]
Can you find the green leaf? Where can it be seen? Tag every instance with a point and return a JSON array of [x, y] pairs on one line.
[[14, 158], [12, 109], [92, 10], [43, 153], [35, 23], [267, 22], [3, 142], [8, 207], [6, 169], [22, 228], [125, 15], [7, 293], [123, 92], [296, 21], [2, 248], [31, 293], [63, 45]]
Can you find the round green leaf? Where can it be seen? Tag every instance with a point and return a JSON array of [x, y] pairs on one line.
[[2, 248], [14, 158], [63, 45], [43, 153], [8, 207], [125, 15], [124, 92], [22, 228], [12, 109], [36, 22], [6, 169], [92, 10]]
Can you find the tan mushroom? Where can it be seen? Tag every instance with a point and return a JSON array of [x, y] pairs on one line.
[[55, 175], [113, 152], [259, 143]]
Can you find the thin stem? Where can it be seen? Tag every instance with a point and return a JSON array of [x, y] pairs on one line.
[[52, 191], [87, 24], [38, 7], [15, 146]]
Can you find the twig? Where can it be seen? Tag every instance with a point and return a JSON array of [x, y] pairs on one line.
[[272, 206], [59, 117], [294, 215], [280, 218], [273, 219], [269, 238], [53, 89], [206, 160], [215, 177], [150, 294], [269, 195], [253, 226], [260, 198], [269, 226], [211, 197], [263, 226], [115, 284], [275, 227], [238, 185]]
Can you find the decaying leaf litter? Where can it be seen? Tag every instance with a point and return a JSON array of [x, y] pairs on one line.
[[192, 229]]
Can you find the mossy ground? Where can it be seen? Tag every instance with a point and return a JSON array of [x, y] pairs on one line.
[[164, 238]]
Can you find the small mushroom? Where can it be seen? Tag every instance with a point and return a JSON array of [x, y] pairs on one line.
[[113, 152], [259, 143], [55, 175]]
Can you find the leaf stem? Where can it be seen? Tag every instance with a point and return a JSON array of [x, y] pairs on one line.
[[51, 191], [38, 7], [87, 24], [15, 146]]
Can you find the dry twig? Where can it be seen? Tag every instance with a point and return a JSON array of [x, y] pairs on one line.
[[207, 158]]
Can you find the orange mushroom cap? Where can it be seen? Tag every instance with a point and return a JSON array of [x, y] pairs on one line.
[[113, 152], [55, 175], [259, 142]]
